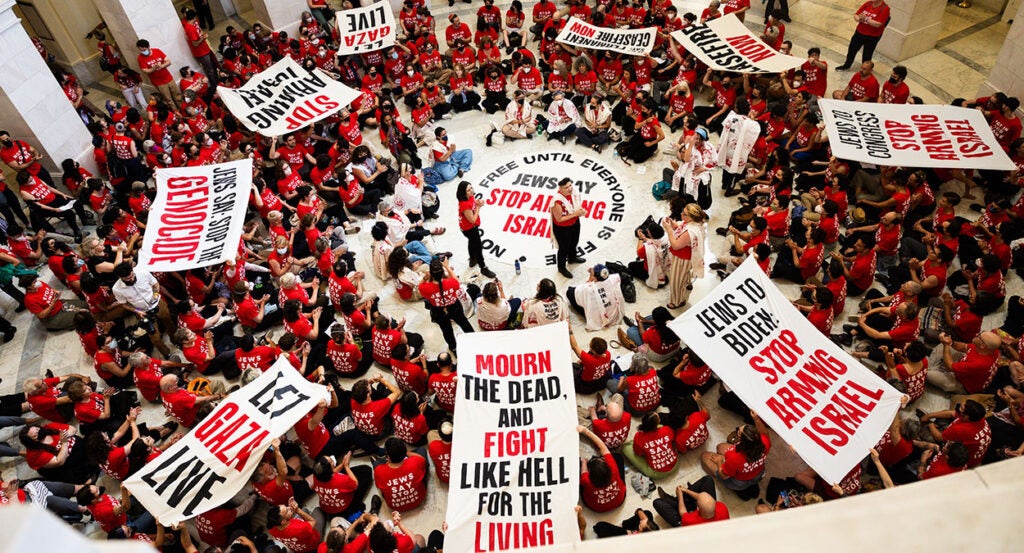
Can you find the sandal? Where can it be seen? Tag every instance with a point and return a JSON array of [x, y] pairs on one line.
[[437, 231], [676, 306]]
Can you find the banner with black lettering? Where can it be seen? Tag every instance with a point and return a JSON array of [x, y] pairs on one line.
[[366, 29], [196, 218], [515, 457], [818, 398], [285, 98], [725, 44], [632, 42], [216, 459], [912, 135]]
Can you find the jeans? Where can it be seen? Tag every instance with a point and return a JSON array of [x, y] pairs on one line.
[[418, 252], [460, 160]]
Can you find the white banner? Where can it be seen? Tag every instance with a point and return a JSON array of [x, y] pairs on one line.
[[820, 400], [912, 135], [366, 29], [209, 465], [725, 44], [633, 42], [515, 457], [285, 98], [197, 216]]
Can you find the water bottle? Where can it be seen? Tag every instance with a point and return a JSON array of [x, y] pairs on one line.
[[615, 153], [519, 268]]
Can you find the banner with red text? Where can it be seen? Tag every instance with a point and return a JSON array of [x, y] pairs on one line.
[[821, 401], [366, 29], [216, 459], [725, 44], [285, 98], [912, 135], [515, 457], [632, 42], [197, 216]]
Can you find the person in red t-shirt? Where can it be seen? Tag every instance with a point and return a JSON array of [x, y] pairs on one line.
[[969, 427], [602, 484], [409, 420], [862, 87], [591, 373], [872, 17], [293, 527], [153, 62], [950, 458], [402, 480], [640, 386], [46, 304], [341, 487], [197, 43], [444, 382], [652, 451], [741, 465], [439, 448], [441, 293], [217, 525], [895, 90], [693, 504], [371, 415], [611, 423], [182, 404], [469, 224]]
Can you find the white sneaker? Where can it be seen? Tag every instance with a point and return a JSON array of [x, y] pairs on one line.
[[446, 116]]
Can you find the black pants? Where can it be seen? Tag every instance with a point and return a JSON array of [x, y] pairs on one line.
[[205, 17], [10, 207], [495, 101], [729, 179], [568, 238], [783, 6], [445, 316], [704, 112], [606, 529], [669, 508], [856, 42], [588, 138], [39, 217], [476, 246]]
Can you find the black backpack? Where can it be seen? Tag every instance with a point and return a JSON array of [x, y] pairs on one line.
[[625, 280]]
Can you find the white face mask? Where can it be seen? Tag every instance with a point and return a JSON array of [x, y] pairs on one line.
[[282, 251], [819, 209], [113, 344]]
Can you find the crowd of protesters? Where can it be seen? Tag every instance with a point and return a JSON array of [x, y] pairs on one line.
[[921, 256]]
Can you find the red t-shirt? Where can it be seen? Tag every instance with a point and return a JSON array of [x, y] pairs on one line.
[[861, 87], [103, 512], [273, 493], [644, 391], [45, 404], [89, 411], [182, 406], [335, 494], [604, 499], [147, 380], [369, 418], [405, 487], [299, 536], [595, 367], [384, 341], [693, 517], [409, 376], [37, 300], [613, 434], [879, 14], [344, 356], [312, 440], [694, 434], [410, 431], [259, 357], [737, 465], [656, 448], [467, 205], [975, 435], [441, 455], [434, 294], [159, 77], [444, 385]]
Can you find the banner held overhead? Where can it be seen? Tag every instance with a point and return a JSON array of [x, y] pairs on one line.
[[515, 457], [912, 135], [216, 459], [632, 42], [725, 44], [366, 29], [197, 216], [818, 398], [285, 98]]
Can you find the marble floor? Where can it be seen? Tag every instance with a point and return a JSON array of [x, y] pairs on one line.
[[969, 44]]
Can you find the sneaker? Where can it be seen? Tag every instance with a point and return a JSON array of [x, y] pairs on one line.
[[717, 266], [487, 272], [489, 140], [446, 116], [565, 272], [460, 172], [721, 231], [494, 127], [375, 505], [353, 229], [843, 68], [345, 425]]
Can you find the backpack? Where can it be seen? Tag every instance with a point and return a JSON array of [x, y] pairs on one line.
[[432, 177], [662, 190], [625, 280]]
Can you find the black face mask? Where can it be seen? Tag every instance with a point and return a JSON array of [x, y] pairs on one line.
[[894, 80], [8, 142]]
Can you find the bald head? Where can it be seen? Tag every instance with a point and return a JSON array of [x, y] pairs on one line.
[[613, 411], [168, 383], [990, 340], [706, 505]]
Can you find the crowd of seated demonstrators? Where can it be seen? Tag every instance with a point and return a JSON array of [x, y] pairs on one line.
[[920, 257]]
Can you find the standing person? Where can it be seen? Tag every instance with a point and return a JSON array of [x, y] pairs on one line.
[[441, 292], [686, 244], [198, 43], [871, 17], [566, 211], [153, 62], [739, 134], [469, 224], [204, 15]]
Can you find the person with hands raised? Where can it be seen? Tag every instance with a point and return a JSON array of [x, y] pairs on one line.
[[602, 477], [293, 527]]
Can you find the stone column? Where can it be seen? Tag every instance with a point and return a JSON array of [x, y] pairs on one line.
[[154, 20], [32, 105], [913, 28], [280, 15], [1007, 74]]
